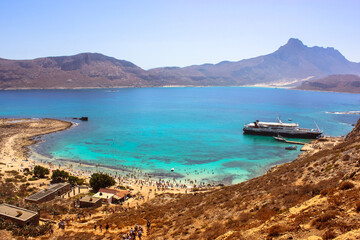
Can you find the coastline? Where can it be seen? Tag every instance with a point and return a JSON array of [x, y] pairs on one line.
[[85, 169], [15, 145], [21, 135], [280, 86], [18, 135]]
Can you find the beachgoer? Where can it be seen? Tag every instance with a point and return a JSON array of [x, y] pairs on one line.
[[100, 227], [95, 227], [148, 224], [107, 226]]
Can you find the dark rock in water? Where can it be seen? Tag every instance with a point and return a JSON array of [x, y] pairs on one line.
[[82, 118]]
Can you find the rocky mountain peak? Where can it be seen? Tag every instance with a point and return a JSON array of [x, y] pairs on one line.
[[293, 44]]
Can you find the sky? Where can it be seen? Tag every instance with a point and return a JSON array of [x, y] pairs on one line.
[[160, 33]]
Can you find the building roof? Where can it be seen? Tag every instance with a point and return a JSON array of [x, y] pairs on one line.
[[16, 212], [122, 194], [45, 192], [58, 186], [90, 199], [104, 195], [108, 190], [39, 195]]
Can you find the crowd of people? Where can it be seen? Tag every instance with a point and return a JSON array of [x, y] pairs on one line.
[[135, 232]]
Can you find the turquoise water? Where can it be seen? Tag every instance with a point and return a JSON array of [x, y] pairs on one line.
[[197, 131]]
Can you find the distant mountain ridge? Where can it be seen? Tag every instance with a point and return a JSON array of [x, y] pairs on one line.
[[288, 66], [84, 70]]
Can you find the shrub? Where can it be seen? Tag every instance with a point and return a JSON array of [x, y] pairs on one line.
[[276, 230], [73, 180], [23, 190], [321, 222], [100, 180], [32, 231], [7, 190], [216, 229], [357, 206], [59, 176], [11, 180], [12, 172], [324, 192], [346, 185], [329, 234], [346, 158], [40, 171], [329, 167]]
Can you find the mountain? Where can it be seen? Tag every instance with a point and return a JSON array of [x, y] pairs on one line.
[[84, 70], [334, 83], [288, 66]]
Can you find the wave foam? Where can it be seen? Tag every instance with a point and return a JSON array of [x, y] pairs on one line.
[[348, 112]]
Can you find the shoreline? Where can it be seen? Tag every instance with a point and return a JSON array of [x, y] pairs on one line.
[[124, 87], [177, 86], [85, 169], [17, 138], [17, 153]]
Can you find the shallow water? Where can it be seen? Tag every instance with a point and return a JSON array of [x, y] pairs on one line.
[[197, 131]]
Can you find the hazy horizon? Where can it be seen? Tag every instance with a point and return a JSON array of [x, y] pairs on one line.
[[177, 33]]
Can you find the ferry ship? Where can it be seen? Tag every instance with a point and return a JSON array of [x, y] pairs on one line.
[[281, 129]]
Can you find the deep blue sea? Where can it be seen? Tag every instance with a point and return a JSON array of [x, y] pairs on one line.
[[197, 131]]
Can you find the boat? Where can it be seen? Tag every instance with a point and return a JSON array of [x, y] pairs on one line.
[[279, 128], [291, 147]]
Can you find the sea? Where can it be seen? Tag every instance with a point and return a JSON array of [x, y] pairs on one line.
[[195, 131]]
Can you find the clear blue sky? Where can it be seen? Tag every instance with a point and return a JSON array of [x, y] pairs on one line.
[[154, 33]]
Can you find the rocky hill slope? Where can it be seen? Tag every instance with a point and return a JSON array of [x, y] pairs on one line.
[[288, 66], [333, 83]]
